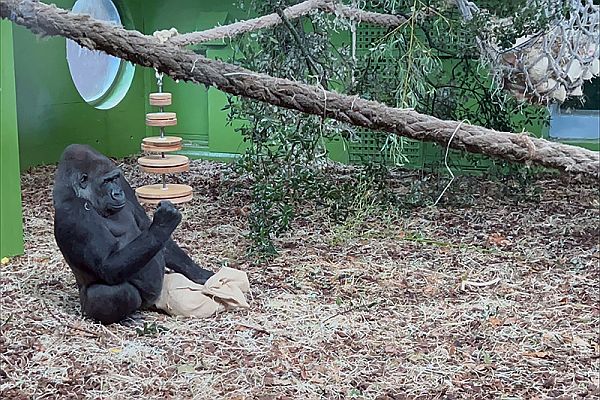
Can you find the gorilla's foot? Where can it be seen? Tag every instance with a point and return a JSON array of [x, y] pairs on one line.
[[134, 320]]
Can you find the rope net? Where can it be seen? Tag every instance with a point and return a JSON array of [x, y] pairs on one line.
[[552, 65]]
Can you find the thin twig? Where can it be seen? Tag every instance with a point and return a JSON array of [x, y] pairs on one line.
[[346, 311], [466, 283], [265, 331]]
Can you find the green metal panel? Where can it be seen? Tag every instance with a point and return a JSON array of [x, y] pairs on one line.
[[337, 149], [222, 138], [11, 225], [374, 146], [52, 114]]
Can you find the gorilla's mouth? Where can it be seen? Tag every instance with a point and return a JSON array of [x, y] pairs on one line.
[[118, 206]]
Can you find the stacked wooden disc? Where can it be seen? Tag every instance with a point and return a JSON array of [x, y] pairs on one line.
[[158, 161]]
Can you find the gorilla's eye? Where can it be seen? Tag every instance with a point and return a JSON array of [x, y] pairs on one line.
[[111, 178], [83, 178]]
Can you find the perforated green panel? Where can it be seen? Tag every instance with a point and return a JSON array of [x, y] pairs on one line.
[[367, 35], [371, 146]]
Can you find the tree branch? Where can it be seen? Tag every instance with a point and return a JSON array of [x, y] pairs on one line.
[[309, 61], [185, 65]]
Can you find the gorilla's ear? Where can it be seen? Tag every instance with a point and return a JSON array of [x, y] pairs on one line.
[[83, 180]]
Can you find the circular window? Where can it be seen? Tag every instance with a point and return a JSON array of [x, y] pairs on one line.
[[102, 80]]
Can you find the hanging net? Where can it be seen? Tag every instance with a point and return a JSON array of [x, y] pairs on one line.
[[551, 65]]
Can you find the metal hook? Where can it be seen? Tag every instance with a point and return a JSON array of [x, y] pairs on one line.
[[159, 79]]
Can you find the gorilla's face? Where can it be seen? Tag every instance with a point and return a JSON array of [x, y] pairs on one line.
[[103, 191], [87, 174]]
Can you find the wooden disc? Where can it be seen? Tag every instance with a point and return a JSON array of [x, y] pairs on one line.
[[176, 200], [162, 141], [176, 193], [166, 161], [159, 144], [166, 170], [160, 95], [161, 116], [161, 122], [160, 99], [160, 149], [160, 103]]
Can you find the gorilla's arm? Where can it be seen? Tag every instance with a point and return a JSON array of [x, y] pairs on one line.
[[120, 265], [175, 258], [178, 261], [92, 249]]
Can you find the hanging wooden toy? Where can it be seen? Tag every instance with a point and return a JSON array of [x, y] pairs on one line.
[[157, 161]]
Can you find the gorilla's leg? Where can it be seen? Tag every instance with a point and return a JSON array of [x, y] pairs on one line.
[[178, 261], [110, 303]]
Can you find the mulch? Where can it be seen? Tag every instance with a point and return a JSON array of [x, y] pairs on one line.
[[497, 298]]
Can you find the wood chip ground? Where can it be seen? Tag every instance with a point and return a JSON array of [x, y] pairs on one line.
[[495, 300]]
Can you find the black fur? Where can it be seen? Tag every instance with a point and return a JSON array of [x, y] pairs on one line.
[[117, 254]]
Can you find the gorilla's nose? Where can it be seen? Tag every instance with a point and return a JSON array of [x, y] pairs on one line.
[[117, 195]]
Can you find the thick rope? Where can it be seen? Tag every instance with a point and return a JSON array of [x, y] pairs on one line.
[[183, 64], [292, 12], [361, 16], [237, 28]]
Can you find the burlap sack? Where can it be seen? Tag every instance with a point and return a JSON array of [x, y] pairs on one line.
[[223, 291]]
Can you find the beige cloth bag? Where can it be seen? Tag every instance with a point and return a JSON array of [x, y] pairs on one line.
[[222, 291]]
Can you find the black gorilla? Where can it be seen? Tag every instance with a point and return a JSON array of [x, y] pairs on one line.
[[117, 254]]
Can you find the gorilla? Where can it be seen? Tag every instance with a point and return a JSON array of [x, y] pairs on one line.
[[117, 254]]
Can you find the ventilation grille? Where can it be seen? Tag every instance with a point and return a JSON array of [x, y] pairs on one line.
[[371, 147]]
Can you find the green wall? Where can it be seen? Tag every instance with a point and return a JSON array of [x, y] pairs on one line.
[[200, 119], [11, 224], [52, 114]]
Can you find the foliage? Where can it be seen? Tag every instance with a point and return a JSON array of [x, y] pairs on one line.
[[524, 17], [430, 63], [286, 149], [150, 329]]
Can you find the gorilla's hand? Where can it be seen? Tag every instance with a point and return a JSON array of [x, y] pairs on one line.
[[166, 219]]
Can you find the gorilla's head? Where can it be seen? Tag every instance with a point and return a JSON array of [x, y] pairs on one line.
[[85, 173]]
